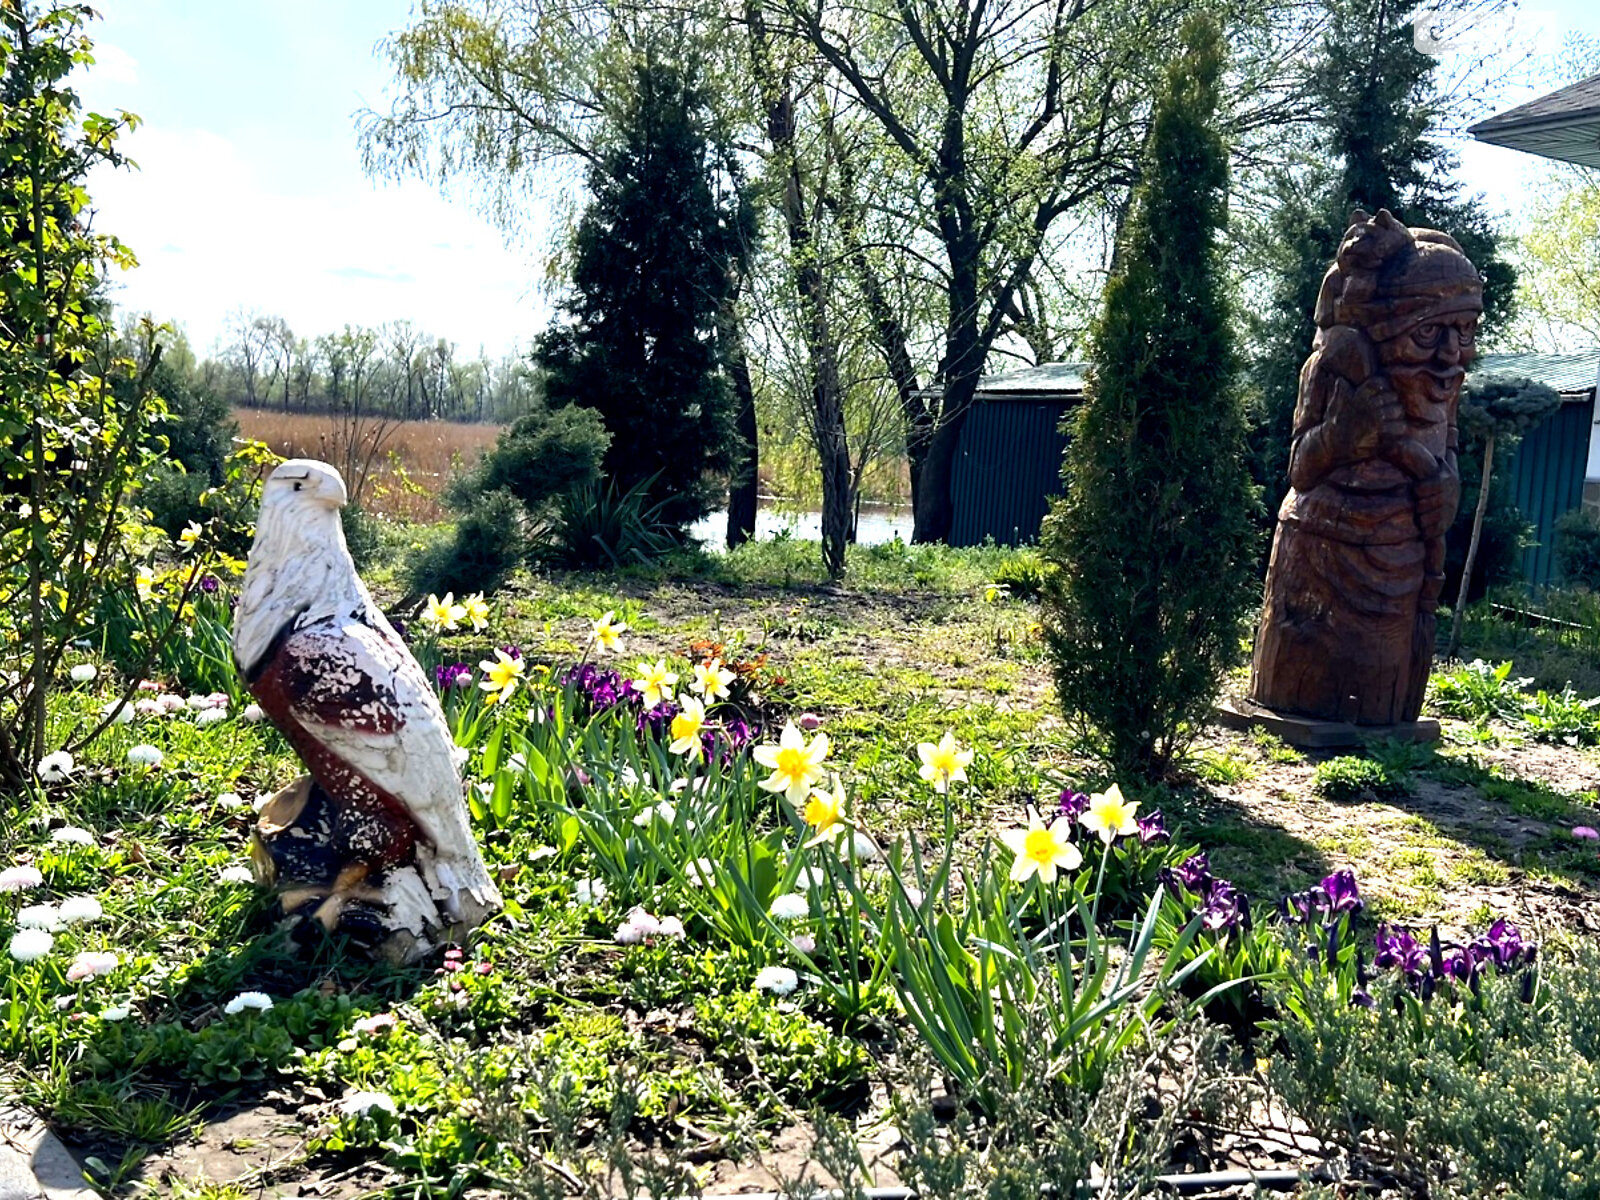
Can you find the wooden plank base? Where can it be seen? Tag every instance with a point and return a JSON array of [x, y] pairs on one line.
[[1312, 733]]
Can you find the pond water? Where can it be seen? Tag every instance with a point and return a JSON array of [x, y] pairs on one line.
[[877, 523]]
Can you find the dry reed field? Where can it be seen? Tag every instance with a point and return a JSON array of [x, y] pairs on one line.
[[407, 473]]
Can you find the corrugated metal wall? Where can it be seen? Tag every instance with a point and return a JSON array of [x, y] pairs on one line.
[[1007, 468], [1547, 481]]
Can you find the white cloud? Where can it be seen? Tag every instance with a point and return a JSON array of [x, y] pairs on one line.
[[213, 235], [114, 65]]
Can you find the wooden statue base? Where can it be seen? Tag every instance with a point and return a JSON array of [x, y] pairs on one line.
[[1313, 733]]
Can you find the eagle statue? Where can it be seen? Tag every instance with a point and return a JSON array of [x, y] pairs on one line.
[[375, 841]]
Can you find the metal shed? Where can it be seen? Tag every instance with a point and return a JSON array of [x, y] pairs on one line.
[[1553, 462], [1008, 463]]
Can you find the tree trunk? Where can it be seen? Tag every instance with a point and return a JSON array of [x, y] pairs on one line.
[[742, 488], [827, 408], [1472, 549], [932, 507]]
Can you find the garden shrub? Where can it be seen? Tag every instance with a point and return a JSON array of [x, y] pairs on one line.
[[1578, 546], [363, 534], [1480, 691], [1153, 536], [193, 439], [1477, 1092], [542, 456], [1346, 779], [489, 541]]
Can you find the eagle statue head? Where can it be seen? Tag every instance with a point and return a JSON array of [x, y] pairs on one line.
[[299, 564]]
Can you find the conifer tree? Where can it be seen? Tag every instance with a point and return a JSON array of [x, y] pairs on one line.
[[650, 277], [1151, 542], [1378, 101]]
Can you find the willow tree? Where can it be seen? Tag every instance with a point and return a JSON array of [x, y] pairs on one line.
[[1151, 540]]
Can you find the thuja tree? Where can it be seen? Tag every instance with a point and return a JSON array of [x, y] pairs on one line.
[[650, 277], [1372, 145], [1152, 539]]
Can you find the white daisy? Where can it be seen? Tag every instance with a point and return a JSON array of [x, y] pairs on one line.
[[79, 909], [780, 981], [257, 1001], [30, 945], [83, 673], [54, 768], [792, 907], [145, 756]]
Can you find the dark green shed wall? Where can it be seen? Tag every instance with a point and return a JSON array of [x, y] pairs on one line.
[[1008, 466], [1547, 480]]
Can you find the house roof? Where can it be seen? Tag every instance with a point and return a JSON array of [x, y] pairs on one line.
[[1045, 380], [1564, 125], [1573, 375]]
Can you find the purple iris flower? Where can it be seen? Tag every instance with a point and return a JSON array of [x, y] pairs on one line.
[[512, 651], [1505, 946], [1343, 895], [452, 675], [1225, 907], [209, 584], [1072, 805], [1152, 828], [1193, 874], [1398, 947]]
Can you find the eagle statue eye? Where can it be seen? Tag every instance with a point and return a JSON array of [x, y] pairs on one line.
[[298, 485]]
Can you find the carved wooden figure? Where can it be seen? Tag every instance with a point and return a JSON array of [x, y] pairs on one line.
[[376, 840], [1347, 623]]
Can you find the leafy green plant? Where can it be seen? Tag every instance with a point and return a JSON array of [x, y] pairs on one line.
[[803, 1060], [489, 541], [1480, 691], [595, 526], [1563, 717], [1347, 779], [1022, 575]]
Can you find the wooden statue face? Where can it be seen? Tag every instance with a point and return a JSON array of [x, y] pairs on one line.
[[1427, 364]]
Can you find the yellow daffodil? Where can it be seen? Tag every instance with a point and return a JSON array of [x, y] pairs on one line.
[[655, 682], [443, 614], [475, 609], [145, 583], [711, 679], [686, 728], [1041, 851], [500, 676], [1110, 815], [945, 763], [796, 767], [608, 632], [190, 535], [824, 812]]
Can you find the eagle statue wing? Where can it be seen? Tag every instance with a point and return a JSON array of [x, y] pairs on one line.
[[366, 700]]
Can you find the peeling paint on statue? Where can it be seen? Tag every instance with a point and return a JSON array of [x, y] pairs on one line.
[[376, 841]]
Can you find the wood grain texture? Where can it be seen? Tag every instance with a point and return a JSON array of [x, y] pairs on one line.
[[1347, 623]]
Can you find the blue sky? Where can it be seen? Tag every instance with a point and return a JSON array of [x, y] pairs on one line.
[[251, 195]]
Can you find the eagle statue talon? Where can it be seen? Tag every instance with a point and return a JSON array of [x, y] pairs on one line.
[[376, 841]]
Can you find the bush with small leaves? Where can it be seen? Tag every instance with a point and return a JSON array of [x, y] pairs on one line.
[[1347, 779]]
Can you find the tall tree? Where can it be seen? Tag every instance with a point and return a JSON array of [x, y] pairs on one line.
[[650, 276], [1010, 113], [1374, 146], [1150, 541]]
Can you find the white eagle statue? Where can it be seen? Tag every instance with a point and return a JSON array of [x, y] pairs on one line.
[[376, 840]]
